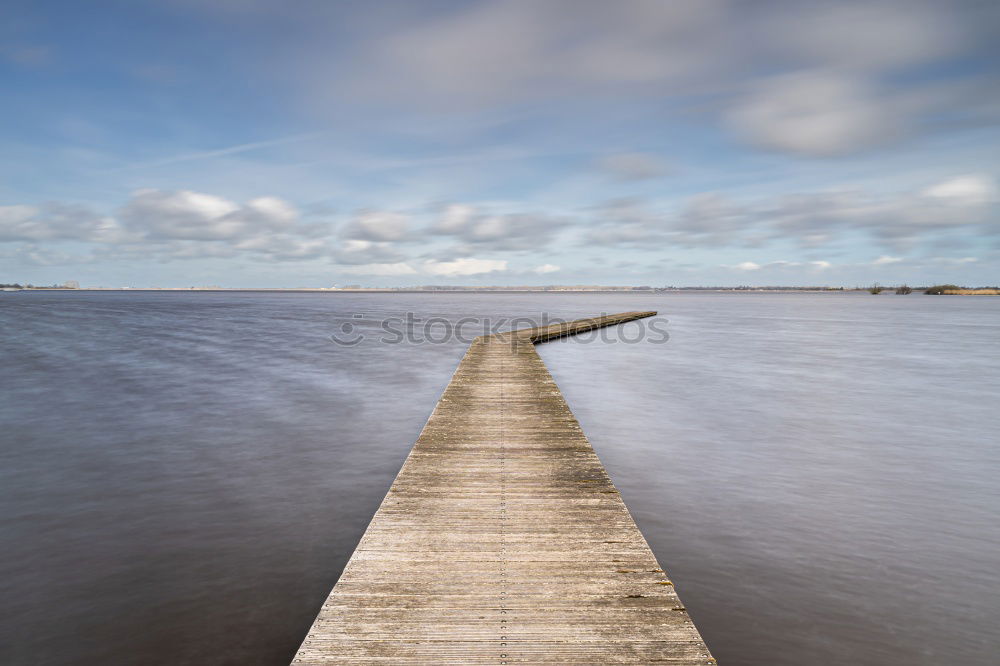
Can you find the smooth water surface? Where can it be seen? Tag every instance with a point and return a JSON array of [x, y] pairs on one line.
[[183, 475]]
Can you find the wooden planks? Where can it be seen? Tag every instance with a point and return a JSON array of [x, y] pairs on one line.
[[502, 540]]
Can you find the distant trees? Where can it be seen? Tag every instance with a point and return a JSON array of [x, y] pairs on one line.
[[16, 285], [948, 289], [903, 289], [940, 289], [875, 289]]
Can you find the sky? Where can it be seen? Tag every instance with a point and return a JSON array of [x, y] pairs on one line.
[[261, 143]]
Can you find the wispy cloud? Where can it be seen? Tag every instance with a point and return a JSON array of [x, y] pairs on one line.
[[221, 152], [633, 166], [959, 208]]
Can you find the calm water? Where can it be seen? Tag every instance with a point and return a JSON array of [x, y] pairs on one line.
[[183, 475]]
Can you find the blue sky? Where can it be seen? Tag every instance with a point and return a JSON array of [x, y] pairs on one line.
[[691, 142]]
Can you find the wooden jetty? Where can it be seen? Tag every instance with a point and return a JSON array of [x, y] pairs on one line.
[[502, 540]]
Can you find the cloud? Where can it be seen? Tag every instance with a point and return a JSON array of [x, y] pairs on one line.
[[866, 35], [56, 222], [175, 224], [361, 252], [393, 269], [463, 266], [160, 72], [490, 52], [955, 261], [780, 264], [508, 231], [163, 225], [503, 52], [633, 166], [377, 225], [188, 215], [957, 208], [816, 114], [286, 248], [183, 224], [19, 223], [454, 268], [708, 219], [454, 219], [625, 223], [966, 190], [896, 221], [31, 254], [826, 79], [844, 76], [886, 259]]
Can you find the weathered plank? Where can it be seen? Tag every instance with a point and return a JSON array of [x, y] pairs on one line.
[[502, 540]]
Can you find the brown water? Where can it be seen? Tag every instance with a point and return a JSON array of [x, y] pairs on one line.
[[182, 475]]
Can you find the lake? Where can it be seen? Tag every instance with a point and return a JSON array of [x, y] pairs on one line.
[[184, 474]]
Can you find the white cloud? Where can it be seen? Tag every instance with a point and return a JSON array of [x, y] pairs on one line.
[[286, 248], [181, 214], [488, 53], [454, 219], [55, 221], [30, 254], [357, 245], [363, 252], [164, 225], [973, 189], [867, 35], [779, 265], [817, 113], [19, 223], [175, 225], [377, 225], [187, 215], [10, 215], [580, 58], [509, 231], [954, 210], [453, 268], [463, 266], [273, 208], [955, 261], [398, 268], [842, 66]]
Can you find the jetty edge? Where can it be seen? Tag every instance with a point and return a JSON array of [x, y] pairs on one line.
[[502, 540]]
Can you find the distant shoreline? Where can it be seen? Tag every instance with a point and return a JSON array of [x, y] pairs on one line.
[[984, 291], [460, 290]]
